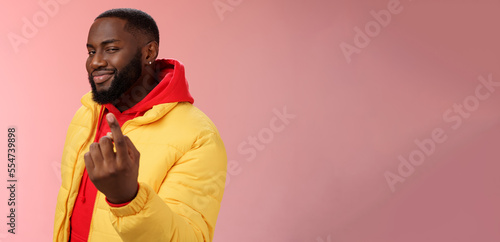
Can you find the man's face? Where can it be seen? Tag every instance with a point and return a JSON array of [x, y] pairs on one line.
[[114, 62]]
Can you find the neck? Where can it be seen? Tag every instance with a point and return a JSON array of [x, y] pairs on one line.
[[137, 92]]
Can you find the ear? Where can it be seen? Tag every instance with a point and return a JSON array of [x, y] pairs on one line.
[[150, 52]]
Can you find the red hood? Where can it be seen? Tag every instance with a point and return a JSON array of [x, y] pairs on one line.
[[173, 87]]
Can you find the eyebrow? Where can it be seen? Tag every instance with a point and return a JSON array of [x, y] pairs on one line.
[[109, 41]]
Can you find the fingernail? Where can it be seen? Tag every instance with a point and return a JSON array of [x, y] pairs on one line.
[[109, 117]]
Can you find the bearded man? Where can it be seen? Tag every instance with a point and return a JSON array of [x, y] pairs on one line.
[[140, 162]]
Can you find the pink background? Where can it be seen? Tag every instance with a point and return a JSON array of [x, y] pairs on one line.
[[319, 176]]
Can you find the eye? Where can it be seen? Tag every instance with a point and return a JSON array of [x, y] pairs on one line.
[[112, 50], [91, 52]]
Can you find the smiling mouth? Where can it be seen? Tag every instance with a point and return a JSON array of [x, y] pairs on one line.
[[98, 79]]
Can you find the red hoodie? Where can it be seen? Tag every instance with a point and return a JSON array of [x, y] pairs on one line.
[[173, 87]]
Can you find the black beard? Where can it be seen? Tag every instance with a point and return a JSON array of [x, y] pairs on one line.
[[122, 81]]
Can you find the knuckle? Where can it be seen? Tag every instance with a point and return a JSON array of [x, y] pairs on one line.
[[103, 139], [92, 175], [120, 142], [95, 178], [109, 171], [112, 172]]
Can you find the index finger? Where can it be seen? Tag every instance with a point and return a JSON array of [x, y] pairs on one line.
[[121, 146]]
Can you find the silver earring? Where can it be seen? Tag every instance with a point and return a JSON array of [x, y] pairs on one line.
[[150, 62]]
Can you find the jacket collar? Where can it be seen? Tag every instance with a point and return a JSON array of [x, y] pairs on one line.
[[153, 114]]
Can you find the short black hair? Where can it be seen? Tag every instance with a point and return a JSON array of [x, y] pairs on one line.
[[137, 21]]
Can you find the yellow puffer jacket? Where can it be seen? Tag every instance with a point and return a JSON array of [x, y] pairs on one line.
[[181, 177]]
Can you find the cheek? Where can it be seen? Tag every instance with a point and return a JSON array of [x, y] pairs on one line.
[[116, 61], [87, 64]]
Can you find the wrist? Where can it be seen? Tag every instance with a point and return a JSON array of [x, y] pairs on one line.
[[118, 202]]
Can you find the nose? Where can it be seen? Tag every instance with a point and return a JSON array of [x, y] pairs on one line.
[[97, 61]]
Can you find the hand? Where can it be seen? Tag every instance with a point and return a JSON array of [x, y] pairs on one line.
[[114, 173]]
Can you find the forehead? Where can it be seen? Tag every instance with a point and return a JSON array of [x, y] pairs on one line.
[[109, 28]]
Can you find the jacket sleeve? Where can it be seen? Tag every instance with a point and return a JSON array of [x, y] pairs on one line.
[[187, 203]]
